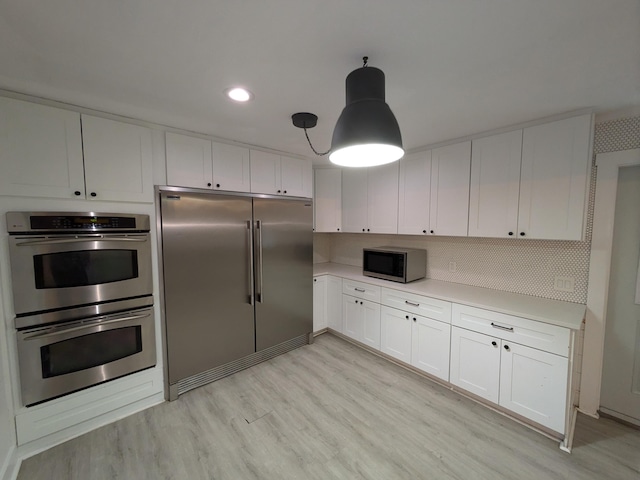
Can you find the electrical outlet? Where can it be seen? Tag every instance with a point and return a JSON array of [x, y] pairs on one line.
[[453, 267], [564, 284]]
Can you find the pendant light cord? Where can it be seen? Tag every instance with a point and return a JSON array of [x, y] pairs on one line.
[[320, 154]]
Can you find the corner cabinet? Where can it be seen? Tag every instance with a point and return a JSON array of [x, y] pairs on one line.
[[327, 199], [55, 153], [200, 163], [327, 303], [279, 175], [370, 199]]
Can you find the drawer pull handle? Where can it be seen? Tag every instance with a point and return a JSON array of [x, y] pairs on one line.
[[361, 290], [411, 303], [508, 329]]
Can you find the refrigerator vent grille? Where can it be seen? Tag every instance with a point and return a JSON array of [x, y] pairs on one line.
[[227, 369]]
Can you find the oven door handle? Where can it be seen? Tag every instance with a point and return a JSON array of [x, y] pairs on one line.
[[57, 241], [53, 331]]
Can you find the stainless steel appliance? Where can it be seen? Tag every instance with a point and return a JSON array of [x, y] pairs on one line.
[[237, 281], [82, 290], [394, 263]]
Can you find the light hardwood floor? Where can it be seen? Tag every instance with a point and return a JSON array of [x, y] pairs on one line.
[[332, 411]]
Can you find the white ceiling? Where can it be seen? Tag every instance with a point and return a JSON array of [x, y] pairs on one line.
[[453, 67]]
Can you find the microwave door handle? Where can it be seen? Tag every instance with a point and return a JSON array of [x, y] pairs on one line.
[[57, 241], [53, 331]]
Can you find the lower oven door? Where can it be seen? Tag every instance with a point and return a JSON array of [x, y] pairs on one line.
[[62, 358]]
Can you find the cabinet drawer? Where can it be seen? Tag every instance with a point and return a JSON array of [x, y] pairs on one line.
[[531, 333], [410, 302], [365, 291]]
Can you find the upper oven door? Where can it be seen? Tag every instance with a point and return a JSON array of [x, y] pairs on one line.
[[60, 271]]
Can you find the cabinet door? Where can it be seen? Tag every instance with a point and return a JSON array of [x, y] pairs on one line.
[[534, 384], [334, 303], [296, 177], [353, 317], [495, 185], [188, 161], [327, 199], [319, 303], [430, 346], [371, 324], [414, 190], [556, 160], [265, 172], [231, 168], [40, 151], [382, 195], [395, 333], [117, 160], [475, 363], [449, 207], [354, 200]]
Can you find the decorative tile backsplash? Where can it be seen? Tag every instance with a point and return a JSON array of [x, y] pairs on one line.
[[513, 265]]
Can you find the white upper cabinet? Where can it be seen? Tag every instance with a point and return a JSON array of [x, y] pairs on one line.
[[231, 169], [40, 151], [276, 175], [327, 199], [200, 163], [370, 199], [188, 161], [414, 191], [449, 207], [382, 195], [354, 200], [495, 185], [117, 160], [554, 180]]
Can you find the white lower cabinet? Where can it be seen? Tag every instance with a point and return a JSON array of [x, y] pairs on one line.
[[534, 384], [334, 303], [528, 381], [319, 303], [361, 320], [430, 341], [395, 329], [475, 363]]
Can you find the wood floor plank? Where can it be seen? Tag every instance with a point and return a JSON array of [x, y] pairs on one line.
[[331, 410]]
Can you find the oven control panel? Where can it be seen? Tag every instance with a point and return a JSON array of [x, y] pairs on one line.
[[40, 222]]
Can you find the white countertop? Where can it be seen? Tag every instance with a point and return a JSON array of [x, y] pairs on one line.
[[555, 312]]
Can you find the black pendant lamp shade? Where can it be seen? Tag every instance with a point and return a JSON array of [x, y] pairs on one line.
[[367, 133]]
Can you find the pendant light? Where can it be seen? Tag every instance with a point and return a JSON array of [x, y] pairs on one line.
[[366, 133]]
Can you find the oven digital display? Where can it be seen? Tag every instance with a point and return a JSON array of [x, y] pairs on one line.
[[66, 222]]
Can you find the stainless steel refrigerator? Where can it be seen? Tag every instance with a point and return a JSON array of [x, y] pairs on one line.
[[237, 278]]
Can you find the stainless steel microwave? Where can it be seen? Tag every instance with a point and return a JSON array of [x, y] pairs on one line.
[[394, 263]]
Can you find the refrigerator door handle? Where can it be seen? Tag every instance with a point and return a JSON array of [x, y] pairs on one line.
[[259, 292], [250, 261]]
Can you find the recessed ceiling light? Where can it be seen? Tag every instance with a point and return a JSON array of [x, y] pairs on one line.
[[239, 94]]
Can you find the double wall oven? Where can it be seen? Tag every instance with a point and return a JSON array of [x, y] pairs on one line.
[[82, 290]]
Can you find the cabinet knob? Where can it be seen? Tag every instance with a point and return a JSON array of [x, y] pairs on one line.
[[94, 194], [77, 193], [363, 229], [279, 191], [522, 234], [284, 191], [368, 230], [407, 317], [431, 231], [506, 347], [338, 229], [217, 185], [424, 231], [510, 233], [414, 319], [209, 184], [361, 303], [494, 344], [315, 279], [356, 301]]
